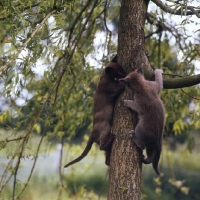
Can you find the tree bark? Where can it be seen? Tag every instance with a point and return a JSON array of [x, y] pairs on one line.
[[126, 158]]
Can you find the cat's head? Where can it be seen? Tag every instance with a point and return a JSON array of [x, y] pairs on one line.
[[114, 70], [133, 78]]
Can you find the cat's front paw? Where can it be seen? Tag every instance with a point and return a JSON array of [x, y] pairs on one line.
[[158, 71], [112, 135], [128, 103], [132, 133]]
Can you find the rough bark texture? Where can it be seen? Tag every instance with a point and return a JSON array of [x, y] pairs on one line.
[[126, 158]]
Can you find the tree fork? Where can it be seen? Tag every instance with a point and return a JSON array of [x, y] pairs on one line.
[[126, 158]]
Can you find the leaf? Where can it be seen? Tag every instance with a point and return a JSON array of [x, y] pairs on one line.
[[57, 28], [10, 75], [124, 189], [197, 30], [190, 144], [185, 190]]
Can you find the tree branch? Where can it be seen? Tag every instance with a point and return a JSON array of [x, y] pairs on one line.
[[187, 81], [28, 40], [21, 9], [163, 26], [173, 83], [77, 19], [166, 8]]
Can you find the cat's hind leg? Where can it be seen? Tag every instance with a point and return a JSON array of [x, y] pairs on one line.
[[149, 158], [137, 139]]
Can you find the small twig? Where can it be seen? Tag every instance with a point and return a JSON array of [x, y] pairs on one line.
[[190, 95], [60, 168], [104, 19], [33, 166], [5, 178], [181, 88], [25, 8], [14, 139], [76, 20], [19, 156], [172, 74], [109, 32], [166, 8]]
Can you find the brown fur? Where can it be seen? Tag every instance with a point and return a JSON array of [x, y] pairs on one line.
[[148, 105], [107, 91]]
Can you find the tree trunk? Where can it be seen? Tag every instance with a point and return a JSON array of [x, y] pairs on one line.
[[126, 158]]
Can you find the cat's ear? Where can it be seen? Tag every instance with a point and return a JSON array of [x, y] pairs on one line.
[[114, 59], [126, 81], [109, 70], [140, 70], [134, 69]]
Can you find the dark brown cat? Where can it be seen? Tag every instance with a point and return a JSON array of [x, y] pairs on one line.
[[148, 105], [107, 91]]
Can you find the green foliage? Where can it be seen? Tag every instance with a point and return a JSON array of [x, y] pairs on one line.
[[49, 68], [94, 182], [172, 189], [179, 179], [42, 187], [48, 81], [88, 179], [181, 110]]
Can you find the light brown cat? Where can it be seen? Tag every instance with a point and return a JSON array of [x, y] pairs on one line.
[[148, 105]]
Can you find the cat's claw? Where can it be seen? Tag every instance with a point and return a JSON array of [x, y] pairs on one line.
[[132, 132], [128, 103]]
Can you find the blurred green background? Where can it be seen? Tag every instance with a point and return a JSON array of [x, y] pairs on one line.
[[88, 179]]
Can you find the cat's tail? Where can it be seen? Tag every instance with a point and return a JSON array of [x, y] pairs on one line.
[[85, 152], [155, 160]]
